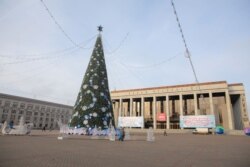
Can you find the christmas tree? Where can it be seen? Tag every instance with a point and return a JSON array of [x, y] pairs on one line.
[[93, 107]]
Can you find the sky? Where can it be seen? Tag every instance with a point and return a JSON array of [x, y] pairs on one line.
[[40, 57]]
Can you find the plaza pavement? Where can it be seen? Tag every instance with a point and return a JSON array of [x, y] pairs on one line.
[[43, 149]]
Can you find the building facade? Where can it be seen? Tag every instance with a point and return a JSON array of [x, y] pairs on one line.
[[227, 102], [40, 113]]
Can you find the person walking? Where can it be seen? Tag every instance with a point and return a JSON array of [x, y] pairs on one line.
[[121, 134], [44, 128], [165, 133]]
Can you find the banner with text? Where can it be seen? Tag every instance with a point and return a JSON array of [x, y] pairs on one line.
[[161, 117], [197, 121], [130, 122]]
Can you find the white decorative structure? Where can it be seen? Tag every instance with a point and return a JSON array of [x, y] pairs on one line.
[[127, 134], [21, 129], [112, 134], [60, 138], [150, 135], [5, 128], [64, 129], [95, 133]]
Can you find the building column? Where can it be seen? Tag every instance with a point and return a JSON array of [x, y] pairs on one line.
[[1, 114], [16, 116], [229, 111], [32, 116], [49, 123], [135, 108], [195, 104], [131, 107], [181, 105], [167, 113], [211, 103], [114, 106], [120, 108], [154, 112], [38, 122], [44, 119], [9, 115], [142, 110], [24, 114]]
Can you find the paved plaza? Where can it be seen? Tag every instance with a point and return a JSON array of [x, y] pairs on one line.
[[45, 150]]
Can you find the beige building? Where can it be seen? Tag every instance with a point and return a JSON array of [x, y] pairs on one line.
[[41, 113], [226, 101]]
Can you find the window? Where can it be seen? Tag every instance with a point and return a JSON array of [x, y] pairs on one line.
[[5, 111], [4, 117], [13, 112], [7, 104], [37, 107], [48, 109], [21, 112], [29, 113], [43, 108], [15, 104], [12, 117], [30, 107], [22, 106]]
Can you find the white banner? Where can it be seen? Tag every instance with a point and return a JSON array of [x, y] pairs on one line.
[[197, 121], [130, 122]]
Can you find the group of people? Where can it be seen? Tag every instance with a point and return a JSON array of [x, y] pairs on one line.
[[44, 128]]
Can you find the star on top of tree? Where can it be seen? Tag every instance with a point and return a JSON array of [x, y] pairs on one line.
[[100, 28]]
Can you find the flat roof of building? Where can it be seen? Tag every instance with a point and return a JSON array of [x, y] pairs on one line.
[[14, 97], [177, 86]]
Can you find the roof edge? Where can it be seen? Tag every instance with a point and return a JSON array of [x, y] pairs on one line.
[[35, 100], [174, 86]]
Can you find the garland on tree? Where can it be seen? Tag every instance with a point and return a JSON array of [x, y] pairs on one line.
[[93, 107]]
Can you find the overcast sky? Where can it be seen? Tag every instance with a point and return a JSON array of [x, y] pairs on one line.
[[142, 44]]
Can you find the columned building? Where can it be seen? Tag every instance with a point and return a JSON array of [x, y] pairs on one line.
[[40, 113], [226, 101]]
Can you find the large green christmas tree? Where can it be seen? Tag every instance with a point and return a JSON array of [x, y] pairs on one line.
[[93, 107]]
